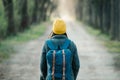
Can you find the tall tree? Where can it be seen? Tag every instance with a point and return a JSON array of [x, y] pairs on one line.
[[35, 11], [9, 13], [106, 16], [79, 9], [114, 19], [119, 21], [24, 15]]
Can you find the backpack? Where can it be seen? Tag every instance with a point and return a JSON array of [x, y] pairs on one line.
[[59, 61]]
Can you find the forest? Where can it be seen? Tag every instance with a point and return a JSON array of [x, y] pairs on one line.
[[18, 15], [101, 14], [93, 27]]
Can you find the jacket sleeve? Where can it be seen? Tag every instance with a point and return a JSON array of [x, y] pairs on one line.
[[43, 63], [75, 62]]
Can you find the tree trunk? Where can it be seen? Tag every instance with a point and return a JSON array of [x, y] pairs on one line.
[[119, 20], [35, 12], [101, 15], [106, 16], [9, 13], [24, 15], [42, 9], [114, 19], [81, 9], [89, 12]]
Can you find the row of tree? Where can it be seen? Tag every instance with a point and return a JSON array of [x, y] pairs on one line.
[[17, 15], [101, 14]]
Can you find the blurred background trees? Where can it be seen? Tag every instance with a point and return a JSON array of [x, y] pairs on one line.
[[101, 14], [17, 15]]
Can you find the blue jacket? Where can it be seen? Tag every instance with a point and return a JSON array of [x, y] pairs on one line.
[[59, 40]]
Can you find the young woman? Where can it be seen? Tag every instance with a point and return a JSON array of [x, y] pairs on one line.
[[59, 63]]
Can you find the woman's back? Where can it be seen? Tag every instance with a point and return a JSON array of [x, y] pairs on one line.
[[59, 55]]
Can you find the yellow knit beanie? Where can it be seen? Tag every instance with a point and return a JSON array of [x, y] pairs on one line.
[[59, 26]]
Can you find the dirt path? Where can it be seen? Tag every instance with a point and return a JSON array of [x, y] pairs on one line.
[[96, 62]]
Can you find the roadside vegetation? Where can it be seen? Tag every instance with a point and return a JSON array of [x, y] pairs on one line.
[[103, 19], [17, 22], [7, 45], [112, 45]]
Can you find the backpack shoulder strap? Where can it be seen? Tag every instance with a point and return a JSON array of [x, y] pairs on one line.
[[51, 45], [66, 44]]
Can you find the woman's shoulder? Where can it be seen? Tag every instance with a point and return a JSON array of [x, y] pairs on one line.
[[72, 43]]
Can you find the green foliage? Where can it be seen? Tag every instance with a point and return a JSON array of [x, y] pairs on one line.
[[17, 16], [97, 32], [5, 51], [30, 9], [22, 17], [3, 23], [7, 46], [30, 34], [113, 46]]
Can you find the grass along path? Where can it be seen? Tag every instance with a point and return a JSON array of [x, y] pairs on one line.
[[6, 46], [96, 62], [112, 46]]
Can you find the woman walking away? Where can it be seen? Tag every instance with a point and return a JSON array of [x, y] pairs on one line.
[[59, 60]]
